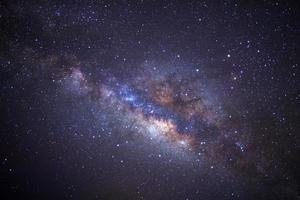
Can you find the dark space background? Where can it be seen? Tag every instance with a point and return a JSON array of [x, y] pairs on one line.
[[149, 99]]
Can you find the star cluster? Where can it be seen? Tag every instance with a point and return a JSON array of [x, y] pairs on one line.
[[149, 100]]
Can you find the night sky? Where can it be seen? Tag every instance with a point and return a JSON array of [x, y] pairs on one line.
[[152, 100]]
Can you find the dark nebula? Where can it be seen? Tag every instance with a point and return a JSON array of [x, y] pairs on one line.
[[150, 100]]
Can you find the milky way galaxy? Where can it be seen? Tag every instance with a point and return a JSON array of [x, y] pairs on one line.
[[149, 100]]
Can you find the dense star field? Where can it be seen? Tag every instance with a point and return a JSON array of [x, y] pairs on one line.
[[179, 100]]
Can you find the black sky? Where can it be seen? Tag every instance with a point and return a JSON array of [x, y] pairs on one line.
[[149, 99]]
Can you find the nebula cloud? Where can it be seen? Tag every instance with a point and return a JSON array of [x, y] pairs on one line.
[[149, 100]]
